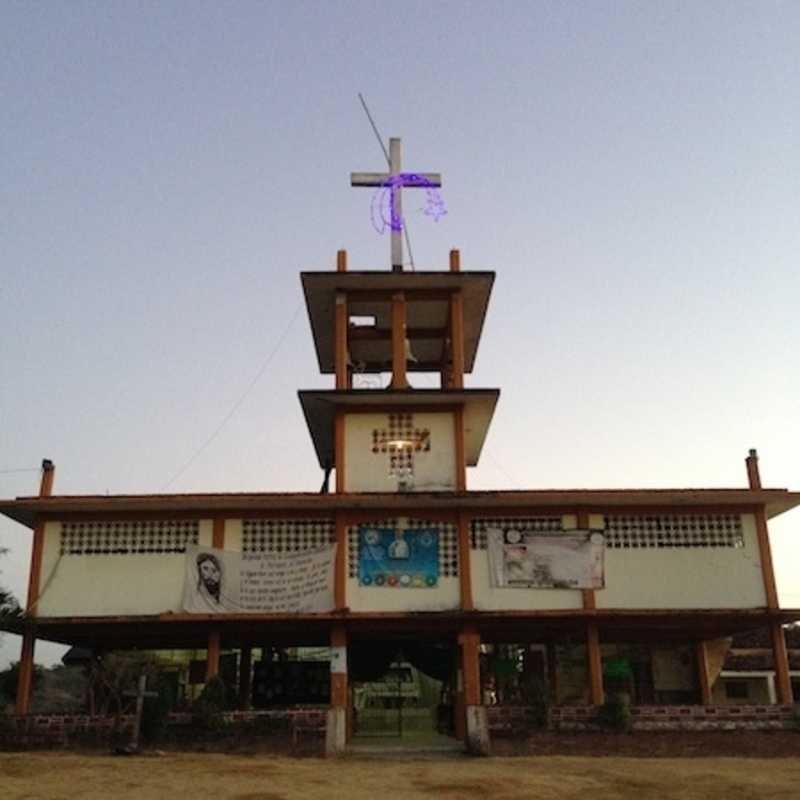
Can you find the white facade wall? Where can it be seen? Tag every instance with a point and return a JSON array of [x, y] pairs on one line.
[[366, 471], [107, 585], [686, 577]]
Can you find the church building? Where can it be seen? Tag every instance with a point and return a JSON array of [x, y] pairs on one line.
[[597, 590]]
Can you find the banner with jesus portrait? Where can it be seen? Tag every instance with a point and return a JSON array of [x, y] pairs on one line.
[[227, 582]]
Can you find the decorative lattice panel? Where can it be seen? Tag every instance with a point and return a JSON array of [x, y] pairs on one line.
[[128, 538], [286, 535], [678, 530], [479, 527], [448, 544], [400, 441]]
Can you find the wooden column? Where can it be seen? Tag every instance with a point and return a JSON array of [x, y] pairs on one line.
[[340, 342], [340, 566], [212, 656], [470, 642], [589, 600], [460, 447], [341, 261], [595, 665], [339, 679], [218, 533], [783, 682], [762, 532], [464, 562], [399, 380], [701, 658], [338, 445], [25, 674], [245, 671], [457, 339], [455, 261]]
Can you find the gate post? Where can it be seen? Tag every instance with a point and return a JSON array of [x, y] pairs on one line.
[[477, 722], [336, 729]]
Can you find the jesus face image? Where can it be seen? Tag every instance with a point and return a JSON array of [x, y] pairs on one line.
[[209, 573]]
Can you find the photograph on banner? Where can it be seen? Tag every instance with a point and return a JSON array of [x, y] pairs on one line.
[[398, 558], [571, 560], [223, 581]]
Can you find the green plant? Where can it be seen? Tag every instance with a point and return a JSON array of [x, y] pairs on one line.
[[534, 696], [207, 709], [155, 713], [615, 713]]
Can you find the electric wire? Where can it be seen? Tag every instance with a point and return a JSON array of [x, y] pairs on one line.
[[227, 418]]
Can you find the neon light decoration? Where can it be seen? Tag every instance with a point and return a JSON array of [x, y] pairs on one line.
[[383, 210]]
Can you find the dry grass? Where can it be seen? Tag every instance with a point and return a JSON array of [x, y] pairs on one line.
[[235, 777]]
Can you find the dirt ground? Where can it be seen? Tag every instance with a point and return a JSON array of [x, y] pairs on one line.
[[259, 777]]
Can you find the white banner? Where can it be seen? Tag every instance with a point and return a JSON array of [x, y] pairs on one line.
[[223, 581], [570, 560]]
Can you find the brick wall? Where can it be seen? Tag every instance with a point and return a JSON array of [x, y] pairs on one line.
[[517, 719], [63, 729]]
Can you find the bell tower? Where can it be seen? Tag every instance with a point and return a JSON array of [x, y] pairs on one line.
[[368, 323]]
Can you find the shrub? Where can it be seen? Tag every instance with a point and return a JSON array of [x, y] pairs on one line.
[[615, 713], [155, 713], [207, 709]]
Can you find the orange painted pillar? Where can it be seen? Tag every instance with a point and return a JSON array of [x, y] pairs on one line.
[[595, 665], [341, 261], [25, 675], [399, 380], [701, 658], [783, 683], [476, 721], [338, 715], [212, 657]]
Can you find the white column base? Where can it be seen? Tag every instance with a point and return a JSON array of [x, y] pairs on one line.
[[477, 731], [336, 732]]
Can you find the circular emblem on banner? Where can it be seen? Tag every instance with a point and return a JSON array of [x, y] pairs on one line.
[[380, 580], [419, 581], [366, 580], [513, 536], [430, 580], [426, 539], [372, 537], [392, 580], [405, 580], [597, 538]]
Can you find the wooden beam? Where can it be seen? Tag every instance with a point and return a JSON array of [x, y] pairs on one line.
[[595, 665], [470, 641], [25, 674], [765, 556], [48, 477], [212, 657], [218, 533], [457, 339], [245, 669], [465, 562], [412, 295], [399, 380], [340, 341], [589, 600], [783, 682], [460, 450], [340, 566], [37, 545], [367, 333], [339, 423], [701, 659]]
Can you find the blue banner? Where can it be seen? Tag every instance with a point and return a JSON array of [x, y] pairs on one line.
[[399, 559]]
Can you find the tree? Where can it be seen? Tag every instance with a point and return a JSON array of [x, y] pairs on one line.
[[9, 607]]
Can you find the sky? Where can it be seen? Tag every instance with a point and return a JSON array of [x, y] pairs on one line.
[[630, 170]]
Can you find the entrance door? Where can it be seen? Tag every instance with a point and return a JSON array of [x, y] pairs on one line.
[[401, 692]]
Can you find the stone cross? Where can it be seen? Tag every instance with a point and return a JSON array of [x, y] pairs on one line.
[[394, 181], [140, 694]]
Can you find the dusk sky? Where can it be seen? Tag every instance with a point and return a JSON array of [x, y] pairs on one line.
[[630, 170]]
